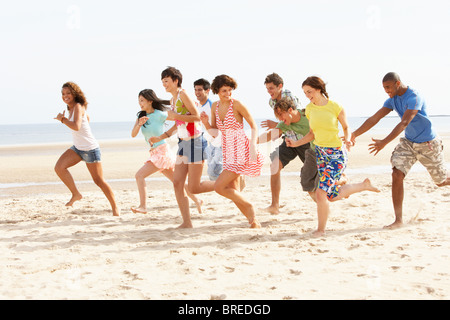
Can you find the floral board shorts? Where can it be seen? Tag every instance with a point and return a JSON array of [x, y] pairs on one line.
[[430, 154], [331, 163]]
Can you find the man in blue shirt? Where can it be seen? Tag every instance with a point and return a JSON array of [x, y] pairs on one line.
[[420, 142]]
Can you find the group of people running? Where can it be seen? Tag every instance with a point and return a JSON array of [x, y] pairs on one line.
[[215, 132]]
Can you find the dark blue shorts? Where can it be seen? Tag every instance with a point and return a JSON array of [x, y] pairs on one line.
[[193, 149]]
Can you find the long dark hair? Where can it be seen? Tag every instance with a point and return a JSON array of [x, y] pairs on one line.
[[157, 103], [316, 83]]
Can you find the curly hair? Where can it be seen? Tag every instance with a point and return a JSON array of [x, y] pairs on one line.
[[77, 93], [221, 81]]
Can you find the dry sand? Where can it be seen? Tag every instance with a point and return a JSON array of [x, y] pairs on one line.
[[53, 252]]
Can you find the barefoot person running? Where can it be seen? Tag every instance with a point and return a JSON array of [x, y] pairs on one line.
[[150, 122], [331, 155], [191, 144], [240, 154], [85, 146], [420, 143]]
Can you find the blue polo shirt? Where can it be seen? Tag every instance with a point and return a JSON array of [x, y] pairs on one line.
[[420, 129]]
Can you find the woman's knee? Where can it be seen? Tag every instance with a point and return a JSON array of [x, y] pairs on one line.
[[219, 188]]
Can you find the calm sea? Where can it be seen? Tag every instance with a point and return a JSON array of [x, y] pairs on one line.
[[35, 134], [29, 134]]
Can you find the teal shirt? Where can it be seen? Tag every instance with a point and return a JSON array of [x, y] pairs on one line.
[[296, 130], [154, 126]]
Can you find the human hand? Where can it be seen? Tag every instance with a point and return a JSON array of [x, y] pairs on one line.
[[204, 117], [269, 124], [290, 143], [142, 121], [60, 116], [376, 146], [348, 144], [153, 140]]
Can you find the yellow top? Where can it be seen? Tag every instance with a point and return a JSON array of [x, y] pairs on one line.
[[323, 120]]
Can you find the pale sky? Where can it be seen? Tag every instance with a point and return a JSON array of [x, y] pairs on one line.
[[114, 49]]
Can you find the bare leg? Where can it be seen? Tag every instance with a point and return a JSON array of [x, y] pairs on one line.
[[96, 171], [397, 198], [275, 186], [347, 189], [179, 180], [226, 185], [198, 202], [148, 169], [195, 185], [323, 211], [68, 159]]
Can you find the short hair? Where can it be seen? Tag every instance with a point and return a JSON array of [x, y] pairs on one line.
[[274, 78], [204, 83], [283, 105], [174, 74], [391, 76], [221, 81]]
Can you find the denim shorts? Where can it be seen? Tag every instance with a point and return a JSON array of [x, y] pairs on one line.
[[193, 149], [90, 156]]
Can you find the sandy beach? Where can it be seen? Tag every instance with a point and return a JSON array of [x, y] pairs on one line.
[[53, 252]]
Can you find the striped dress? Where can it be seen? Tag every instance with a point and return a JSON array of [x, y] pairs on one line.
[[236, 146]]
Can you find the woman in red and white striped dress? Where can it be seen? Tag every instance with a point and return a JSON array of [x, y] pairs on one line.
[[240, 155]]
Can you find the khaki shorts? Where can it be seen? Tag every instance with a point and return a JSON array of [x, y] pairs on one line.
[[430, 154]]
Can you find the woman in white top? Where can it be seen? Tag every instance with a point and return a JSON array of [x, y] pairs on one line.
[[85, 146]]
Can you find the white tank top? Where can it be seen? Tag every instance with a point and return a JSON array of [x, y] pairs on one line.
[[83, 139]]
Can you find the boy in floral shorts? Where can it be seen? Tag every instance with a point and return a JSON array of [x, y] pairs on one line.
[[421, 143]]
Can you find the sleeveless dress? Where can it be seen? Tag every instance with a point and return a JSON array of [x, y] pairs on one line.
[[236, 146]]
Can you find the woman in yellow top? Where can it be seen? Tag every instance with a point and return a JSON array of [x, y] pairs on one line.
[[324, 116]]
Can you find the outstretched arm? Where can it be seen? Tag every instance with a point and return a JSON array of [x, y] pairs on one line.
[[378, 145], [370, 123]]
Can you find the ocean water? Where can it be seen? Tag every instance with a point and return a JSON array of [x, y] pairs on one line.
[[29, 134], [35, 134]]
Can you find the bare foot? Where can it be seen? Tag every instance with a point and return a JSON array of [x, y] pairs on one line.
[[199, 204], [395, 225], [318, 234], [255, 224], [116, 212], [369, 187], [272, 209], [74, 198], [139, 210], [185, 225]]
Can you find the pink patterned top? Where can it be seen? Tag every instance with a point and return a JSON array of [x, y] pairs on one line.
[[236, 146]]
